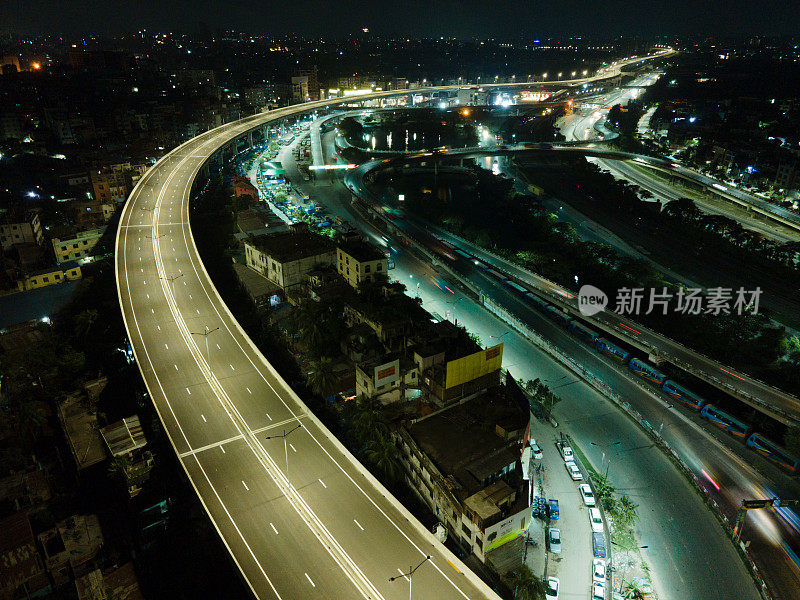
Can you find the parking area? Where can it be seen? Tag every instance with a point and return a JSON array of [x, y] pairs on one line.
[[573, 564]]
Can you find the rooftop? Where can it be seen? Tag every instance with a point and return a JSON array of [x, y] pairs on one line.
[[19, 560], [295, 244], [124, 436], [463, 440], [361, 251], [80, 427]]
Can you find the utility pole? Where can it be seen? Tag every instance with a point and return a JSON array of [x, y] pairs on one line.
[[205, 335], [171, 281], [410, 574]]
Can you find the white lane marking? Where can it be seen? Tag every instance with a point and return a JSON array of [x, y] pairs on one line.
[[165, 346], [159, 327], [176, 367], [292, 447], [184, 283], [204, 418], [245, 485], [309, 581], [273, 528], [359, 525], [152, 311], [323, 483], [403, 574], [218, 348], [148, 296], [232, 367], [222, 448], [142, 270], [188, 391], [190, 296], [248, 390], [198, 310], [270, 418]]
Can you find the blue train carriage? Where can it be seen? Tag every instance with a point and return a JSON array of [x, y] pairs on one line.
[[680, 393], [612, 350], [645, 371], [536, 301], [515, 286], [773, 453], [558, 315], [724, 421], [583, 332]]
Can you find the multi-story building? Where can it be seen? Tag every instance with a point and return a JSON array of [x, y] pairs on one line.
[[65, 271], [462, 462], [126, 441], [79, 245], [359, 261], [384, 374], [20, 228], [787, 176], [286, 259]]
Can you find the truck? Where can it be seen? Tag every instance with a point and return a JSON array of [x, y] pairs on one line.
[[565, 450]]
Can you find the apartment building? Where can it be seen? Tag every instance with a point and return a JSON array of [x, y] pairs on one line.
[[18, 227], [357, 261]]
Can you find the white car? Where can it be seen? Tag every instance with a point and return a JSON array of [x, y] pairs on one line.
[[587, 494], [596, 520], [598, 591], [552, 588], [599, 570], [536, 452], [554, 540], [573, 471]]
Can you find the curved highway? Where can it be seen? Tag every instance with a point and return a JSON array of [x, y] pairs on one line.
[[299, 515]]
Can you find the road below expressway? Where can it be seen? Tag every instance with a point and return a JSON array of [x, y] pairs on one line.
[[728, 471], [299, 514]]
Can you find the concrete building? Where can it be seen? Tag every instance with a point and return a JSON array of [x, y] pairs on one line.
[[66, 271], [286, 259], [381, 375], [462, 462], [78, 245], [79, 422], [474, 96], [71, 547], [20, 562], [359, 261], [20, 228], [126, 441]]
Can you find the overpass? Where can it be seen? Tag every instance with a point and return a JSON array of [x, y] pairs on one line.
[[299, 515], [774, 402]]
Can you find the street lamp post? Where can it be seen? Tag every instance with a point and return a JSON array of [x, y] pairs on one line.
[[608, 464], [285, 446], [410, 574], [205, 335], [171, 281]]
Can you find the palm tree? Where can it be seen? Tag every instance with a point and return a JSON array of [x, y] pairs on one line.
[[323, 379], [382, 453], [84, 321], [526, 585], [30, 417], [633, 591], [368, 419], [626, 511], [605, 491]]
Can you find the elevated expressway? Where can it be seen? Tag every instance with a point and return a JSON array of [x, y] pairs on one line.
[[299, 515], [767, 399]]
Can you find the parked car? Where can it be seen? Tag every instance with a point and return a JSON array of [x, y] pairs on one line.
[[552, 509], [598, 591], [596, 520], [599, 545], [552, 588], [536, 452], [587, 494], [573, 471], [554, 540], [599, 570]]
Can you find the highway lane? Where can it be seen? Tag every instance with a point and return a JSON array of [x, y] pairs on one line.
[[216, 408]]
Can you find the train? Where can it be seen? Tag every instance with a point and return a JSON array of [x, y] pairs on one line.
[[716, 416]]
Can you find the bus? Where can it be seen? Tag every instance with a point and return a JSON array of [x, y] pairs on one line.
[[724, 421], [583, 332], [612, 350], [678, 392], [642, 369], [558, 315], [772, 452]]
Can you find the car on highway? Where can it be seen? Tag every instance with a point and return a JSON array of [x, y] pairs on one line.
[[598, 591], [596, 520], [554, 540], [552, 588], [599, 545], [599, 570], [573, 471], [587, 494]]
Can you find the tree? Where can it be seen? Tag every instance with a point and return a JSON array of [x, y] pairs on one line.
[[382, 453], [626, 512], [791, 440], [605, 491], [368, 419], [633, 591], [84, 321], [29, 419], [543, 395], [323, 379], [525, 585]]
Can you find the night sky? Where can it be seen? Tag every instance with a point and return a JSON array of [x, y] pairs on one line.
[[509, 19]]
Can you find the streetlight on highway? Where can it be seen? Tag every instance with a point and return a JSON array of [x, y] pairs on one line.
[[604, 446], [171, 281], [544, 75], [499, 336], [205, 335], [410, 574], [285, 450]]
